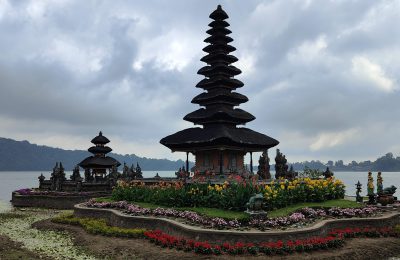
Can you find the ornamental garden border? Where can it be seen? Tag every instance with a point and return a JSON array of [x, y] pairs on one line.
[[169, 226]]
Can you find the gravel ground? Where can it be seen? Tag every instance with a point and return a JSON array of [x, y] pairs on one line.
[[29, 234]]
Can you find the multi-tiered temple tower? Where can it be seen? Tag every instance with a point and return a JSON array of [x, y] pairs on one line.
[[99, 162], [219, 146]]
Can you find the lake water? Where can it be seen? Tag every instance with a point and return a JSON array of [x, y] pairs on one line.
[[10, 181]]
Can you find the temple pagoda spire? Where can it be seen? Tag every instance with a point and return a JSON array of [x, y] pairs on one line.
[[219, 99], [219, 145]]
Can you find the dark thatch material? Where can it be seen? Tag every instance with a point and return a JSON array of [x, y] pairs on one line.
[[219, 116], [99, 160], [94, 162], [99, 149], [100, 139], [220, 135]]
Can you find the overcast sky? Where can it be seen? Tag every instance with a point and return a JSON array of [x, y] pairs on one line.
[[322, 77]]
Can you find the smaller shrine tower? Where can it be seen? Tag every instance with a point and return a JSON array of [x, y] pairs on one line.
[[98, 163]]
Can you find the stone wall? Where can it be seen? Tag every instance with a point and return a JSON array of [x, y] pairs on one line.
[[74, 186], [51, 201], [116, 218]]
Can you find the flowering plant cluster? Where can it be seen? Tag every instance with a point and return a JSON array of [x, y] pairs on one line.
[[303, 215], [190, 216], [268, 248], [310, 214], [334, 239], [365, 232], [232, 194], [281, 193], [351, 212], [28, 191]]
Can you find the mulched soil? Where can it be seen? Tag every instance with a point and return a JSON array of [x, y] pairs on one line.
[[124, 248], [10, 250]]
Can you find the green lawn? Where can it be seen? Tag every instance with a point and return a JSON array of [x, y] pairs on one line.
[[211, 212], [228, 214]]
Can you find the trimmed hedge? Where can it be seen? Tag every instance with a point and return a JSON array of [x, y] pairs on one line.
[[98, 226]]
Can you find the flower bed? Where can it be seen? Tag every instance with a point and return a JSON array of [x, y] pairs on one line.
[[333, 240], [304, 215], [232, 194]]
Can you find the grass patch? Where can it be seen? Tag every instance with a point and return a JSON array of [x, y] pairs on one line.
[[326, 204], [227, 214], [104, 199], [98, 226]]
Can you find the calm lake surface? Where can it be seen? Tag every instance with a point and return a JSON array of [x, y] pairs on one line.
[[10, 181]]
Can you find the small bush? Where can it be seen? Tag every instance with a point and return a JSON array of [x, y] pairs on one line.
[[397, 230], [98, 226]]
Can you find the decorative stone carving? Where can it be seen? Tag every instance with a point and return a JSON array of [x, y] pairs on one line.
[[328, 173], [379, 183], [76, 176], [256, 205], [370, 189], [359, 198]]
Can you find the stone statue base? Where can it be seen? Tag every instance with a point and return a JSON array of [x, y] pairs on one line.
[[256, 212], [385, 199]]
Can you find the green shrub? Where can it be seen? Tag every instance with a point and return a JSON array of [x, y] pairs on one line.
[[397, 229], [98, 226]]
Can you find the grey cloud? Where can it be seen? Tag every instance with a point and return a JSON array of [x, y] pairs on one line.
[[296, 97]]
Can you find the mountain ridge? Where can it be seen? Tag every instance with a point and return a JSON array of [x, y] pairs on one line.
[[26, 156]]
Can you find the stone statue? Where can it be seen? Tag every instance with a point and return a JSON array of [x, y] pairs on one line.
[[370, 189], [178, 173], [125, 171], [76, 176], [389, 190], [88, 176], [328, 173], [386, 196], [157, 176], [256, 205], [41, 178], [359, 198], [263, 166], [370, 184], [379, 183], [114, 174]]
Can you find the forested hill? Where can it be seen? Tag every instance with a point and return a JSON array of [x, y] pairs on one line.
[[386, 163], [24, 156]]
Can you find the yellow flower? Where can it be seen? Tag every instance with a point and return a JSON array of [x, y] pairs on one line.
[[282, 187]]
